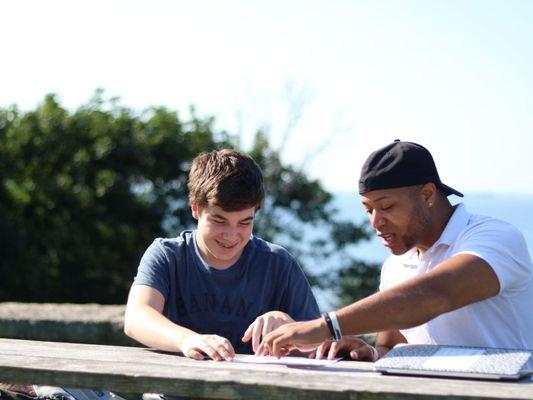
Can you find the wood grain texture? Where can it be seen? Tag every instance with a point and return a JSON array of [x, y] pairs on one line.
[[137, 370]]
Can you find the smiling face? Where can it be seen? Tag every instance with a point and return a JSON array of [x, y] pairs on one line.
[[222, 235], [401, 217]]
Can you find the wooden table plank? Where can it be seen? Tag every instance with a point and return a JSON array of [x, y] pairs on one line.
[[130, 369]]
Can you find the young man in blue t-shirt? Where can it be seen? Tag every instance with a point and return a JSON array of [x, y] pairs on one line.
[[217, 290]]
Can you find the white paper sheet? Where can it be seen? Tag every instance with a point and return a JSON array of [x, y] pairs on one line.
[[300, 361]]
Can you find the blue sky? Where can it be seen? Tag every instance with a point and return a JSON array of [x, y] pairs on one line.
[[451, 75]]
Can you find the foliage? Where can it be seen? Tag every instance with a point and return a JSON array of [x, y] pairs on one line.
[[83, 194], [353, 281]]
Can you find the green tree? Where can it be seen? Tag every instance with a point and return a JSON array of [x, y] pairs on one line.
[[82, 194]]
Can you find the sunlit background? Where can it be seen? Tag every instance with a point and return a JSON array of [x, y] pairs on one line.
[[328, 80]]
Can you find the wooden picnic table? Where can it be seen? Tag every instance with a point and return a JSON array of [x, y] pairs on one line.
[[138, 370]]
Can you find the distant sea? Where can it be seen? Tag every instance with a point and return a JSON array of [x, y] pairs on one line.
[[515, 209]]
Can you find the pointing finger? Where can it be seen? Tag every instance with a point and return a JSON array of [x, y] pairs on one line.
[[248, 333], [334, 348], [256, 336], [321, 349]]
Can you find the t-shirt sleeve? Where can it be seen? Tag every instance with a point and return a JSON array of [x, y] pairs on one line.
[[300, 303], [153, 269], [504, 248]]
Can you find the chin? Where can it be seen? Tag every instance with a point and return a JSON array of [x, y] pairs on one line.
[[225, 256]]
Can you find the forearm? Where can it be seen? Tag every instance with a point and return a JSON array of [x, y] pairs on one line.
[[151, 328], [401, 307], [460, 280], [386, 340]]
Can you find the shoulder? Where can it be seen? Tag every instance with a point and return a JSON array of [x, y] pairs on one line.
[[270, 251], [271, 257], [490, 238], [165, 247], [501, 245], [491, 231]]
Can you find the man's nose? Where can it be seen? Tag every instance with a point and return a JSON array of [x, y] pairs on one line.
[[376, 219]]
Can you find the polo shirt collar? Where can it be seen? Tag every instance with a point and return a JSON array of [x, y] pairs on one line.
[[458, 221]]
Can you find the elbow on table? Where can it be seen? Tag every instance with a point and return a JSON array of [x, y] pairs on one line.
[[129, 325], [127, 329]]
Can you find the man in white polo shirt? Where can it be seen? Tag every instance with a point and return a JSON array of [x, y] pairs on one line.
[[453, 277]]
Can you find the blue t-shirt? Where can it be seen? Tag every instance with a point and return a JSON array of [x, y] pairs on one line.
[[225, 302]]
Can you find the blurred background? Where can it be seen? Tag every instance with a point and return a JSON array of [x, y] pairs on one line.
[[103, 104]]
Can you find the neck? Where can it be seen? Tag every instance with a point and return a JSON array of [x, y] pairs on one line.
[[211, 259], [439, 216]]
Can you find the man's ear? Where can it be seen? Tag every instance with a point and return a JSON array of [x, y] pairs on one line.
[[429, 193], [195, 212]]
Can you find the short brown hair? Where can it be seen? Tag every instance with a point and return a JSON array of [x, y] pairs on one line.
[[226, 178]]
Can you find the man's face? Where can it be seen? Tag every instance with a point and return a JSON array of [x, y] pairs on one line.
[[222, 235], [399, 217]]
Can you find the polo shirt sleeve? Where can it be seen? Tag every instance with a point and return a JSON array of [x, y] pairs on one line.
[[503, 247], [153, 269]]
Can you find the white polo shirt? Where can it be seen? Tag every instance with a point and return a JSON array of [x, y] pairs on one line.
[[505, 320]]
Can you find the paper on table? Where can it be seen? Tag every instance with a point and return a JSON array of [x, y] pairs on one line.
[[301, 361]]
